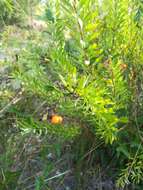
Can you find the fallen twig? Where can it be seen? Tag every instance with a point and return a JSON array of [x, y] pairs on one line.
[[16, 99], [51, 178]]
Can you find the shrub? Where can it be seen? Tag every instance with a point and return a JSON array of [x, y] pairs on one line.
[[90, 72]]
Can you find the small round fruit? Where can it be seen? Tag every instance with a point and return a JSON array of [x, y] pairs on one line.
[[56, 119], [123, 67]]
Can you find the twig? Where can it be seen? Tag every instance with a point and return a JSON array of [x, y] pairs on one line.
[[51, 178], [13, 101], [92, 150], [58, 175]]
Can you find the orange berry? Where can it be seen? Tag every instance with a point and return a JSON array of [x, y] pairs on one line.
[[123, 66], [56, 119]]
